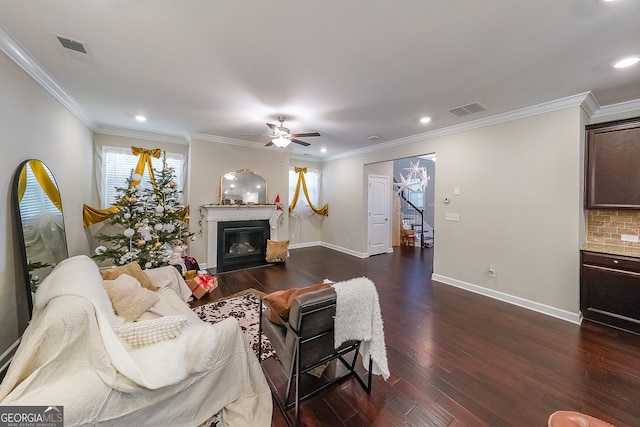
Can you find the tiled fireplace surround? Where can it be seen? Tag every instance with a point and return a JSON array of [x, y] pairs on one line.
[[606, 227]]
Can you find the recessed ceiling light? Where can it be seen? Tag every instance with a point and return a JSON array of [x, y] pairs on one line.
[[627, 62], [425, 120], [323, 150], [141, 118]]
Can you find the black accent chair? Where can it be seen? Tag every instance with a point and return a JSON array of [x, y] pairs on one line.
[[305, 342]]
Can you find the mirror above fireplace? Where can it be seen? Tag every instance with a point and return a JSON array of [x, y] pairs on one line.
[[243, 187]]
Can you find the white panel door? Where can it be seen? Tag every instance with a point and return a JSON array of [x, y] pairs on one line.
[[378, 215]]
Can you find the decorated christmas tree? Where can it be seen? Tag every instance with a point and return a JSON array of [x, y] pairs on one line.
[[152, 223], [168, 216]]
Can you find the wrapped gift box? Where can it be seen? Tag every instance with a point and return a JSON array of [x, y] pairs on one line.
[[202, 284]]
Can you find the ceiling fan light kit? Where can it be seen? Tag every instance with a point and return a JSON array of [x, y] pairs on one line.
[[281, 142], [283, 136]]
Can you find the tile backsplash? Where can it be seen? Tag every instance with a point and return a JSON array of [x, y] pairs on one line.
[[607, 227]]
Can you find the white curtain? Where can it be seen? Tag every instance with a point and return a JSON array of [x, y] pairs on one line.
[[100, 176]]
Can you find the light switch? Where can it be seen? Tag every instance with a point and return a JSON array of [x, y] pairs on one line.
[[456, 191], [452, 216]]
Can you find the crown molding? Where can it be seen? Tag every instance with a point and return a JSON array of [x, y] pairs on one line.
[[547, 107], [242, 143], [590, 105], [620, 108], [223, 140], [20, 56], [128, 133]]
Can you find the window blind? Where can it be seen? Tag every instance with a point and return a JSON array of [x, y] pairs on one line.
[[119, 164]]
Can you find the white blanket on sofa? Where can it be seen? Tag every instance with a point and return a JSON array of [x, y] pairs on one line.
[[70, 356], [358, 317], [187, 354]]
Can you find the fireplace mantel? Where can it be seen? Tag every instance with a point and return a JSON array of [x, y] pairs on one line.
[[216, 213]]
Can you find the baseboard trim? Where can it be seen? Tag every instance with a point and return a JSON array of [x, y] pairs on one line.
[[520, 302], [335, 248], [330, 246], [304, 245], [345, 250]]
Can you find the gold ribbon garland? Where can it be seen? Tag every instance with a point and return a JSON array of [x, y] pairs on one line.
[[324, 211], [92, 216]]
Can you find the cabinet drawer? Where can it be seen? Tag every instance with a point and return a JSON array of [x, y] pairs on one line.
[[611, 296], [611, 261]]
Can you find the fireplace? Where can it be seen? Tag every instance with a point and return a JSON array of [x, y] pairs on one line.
[[218, 213], [241, 244]]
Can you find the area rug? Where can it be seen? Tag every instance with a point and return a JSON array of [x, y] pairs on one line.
[[244, 307]]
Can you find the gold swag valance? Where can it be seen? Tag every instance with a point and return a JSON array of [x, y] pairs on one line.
[[92, 216], [324, 211]]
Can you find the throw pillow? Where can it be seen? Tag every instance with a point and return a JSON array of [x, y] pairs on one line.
[[128, 298], [280, 302], [147, 332], [133, 269], [277, 251]]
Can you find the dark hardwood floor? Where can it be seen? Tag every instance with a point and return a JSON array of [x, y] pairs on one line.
[[457, 358]]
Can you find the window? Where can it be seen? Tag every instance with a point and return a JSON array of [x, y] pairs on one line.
[[312, 179], [118, 164], [416, 193]]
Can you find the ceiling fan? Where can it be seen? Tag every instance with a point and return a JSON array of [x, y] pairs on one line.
[[283, 136]]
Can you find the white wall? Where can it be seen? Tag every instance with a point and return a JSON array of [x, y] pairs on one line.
[[343, 184], [34, 125], [520, 208]]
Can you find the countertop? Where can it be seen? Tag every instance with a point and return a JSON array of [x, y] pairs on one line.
[[611, 249]]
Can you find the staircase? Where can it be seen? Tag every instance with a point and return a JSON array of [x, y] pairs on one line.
[[414, 217]]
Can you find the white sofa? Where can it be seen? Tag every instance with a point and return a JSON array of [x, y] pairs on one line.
[[71, 356]]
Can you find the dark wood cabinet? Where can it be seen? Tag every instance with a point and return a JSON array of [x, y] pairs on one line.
[[610, 290], [612, 165]]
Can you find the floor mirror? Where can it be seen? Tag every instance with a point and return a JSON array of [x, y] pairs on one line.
[[40, 233]]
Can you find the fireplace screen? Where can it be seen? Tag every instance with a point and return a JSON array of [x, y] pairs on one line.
[[242, 244]]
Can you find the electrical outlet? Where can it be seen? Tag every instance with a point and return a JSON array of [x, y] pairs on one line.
[[492, 271]]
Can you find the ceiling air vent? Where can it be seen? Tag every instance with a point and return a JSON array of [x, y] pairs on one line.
[[72, 44], [474, 107]]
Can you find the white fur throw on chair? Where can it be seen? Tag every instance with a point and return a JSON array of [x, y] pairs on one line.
[[358, 317]]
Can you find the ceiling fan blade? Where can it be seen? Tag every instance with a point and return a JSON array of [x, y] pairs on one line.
[[272, 126], [304, 135], [297, 141], [269, 143]]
